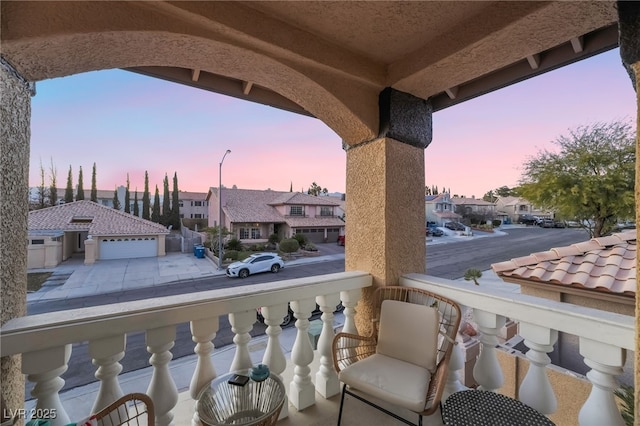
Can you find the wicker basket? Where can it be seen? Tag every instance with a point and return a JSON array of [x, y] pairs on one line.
[[256, 403]]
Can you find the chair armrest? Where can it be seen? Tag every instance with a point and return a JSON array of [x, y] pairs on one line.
[[350, 348]]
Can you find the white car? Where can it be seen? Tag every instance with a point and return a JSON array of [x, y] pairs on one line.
[[257, 262]]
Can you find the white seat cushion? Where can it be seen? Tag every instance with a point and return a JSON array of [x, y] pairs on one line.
[[409, 332], [392, 380]]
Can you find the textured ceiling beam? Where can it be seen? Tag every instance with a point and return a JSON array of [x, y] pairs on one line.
[[578, 44], [246, 87], [195, 74], [534, 61], [452, 92]]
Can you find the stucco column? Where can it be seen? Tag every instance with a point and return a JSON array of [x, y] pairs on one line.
[[15, 116], [629, 28], [385, 220]]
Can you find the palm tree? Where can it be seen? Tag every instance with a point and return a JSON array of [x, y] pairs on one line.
[[473, 275]]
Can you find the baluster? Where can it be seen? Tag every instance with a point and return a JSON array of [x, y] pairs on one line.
[[350, 300], [273, 355], [327, 383], [487, 371], [301, 390], [162, 389], [44, 368], [536, 390], [606, 362], [106, 354], [241, 325], [203, 331], [456, 363]]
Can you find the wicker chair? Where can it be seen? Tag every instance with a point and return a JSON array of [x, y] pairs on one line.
[[131, 409], [405, 361]]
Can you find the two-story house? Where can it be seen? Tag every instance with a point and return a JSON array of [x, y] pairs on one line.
[[440, 209], [193, 205], [514, 207], [468, 207], [252, 215]]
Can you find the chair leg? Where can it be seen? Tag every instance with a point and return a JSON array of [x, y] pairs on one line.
[[419, 420], [344, 388]]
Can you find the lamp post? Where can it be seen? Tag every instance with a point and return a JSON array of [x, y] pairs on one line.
[[220, 211]]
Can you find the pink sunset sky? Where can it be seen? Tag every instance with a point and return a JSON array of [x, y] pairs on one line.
[[128, 123]]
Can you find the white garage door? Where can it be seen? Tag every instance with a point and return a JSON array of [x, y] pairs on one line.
[[128, 247]]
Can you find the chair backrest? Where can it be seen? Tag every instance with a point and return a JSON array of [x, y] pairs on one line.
[[409, 332], [131, 409]]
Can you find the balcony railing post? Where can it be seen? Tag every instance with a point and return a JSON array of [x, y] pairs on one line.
[[487, 371], [106, 354], [536, 390], [301, 390], [606, 362], [274, 355], [241, 325], [203, 332], [44, 368], [162, 389], [349, 301], [327, 383]]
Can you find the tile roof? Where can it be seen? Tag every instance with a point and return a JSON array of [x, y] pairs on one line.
[[448, 215], [185, 195], [299, 198], [88, 216], [297, 222], [605, 264], [471, 201]]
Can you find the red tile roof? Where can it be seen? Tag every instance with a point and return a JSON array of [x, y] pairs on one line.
[[605, 264]]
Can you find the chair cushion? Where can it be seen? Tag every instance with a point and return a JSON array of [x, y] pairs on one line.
[[392, 380], [409, 332]]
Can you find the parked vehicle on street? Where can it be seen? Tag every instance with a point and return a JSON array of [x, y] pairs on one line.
[[341, 240], [547, 223], [434, 231], [455, 226], [559, 224], [527, 219], [289, 317], [256, 263]]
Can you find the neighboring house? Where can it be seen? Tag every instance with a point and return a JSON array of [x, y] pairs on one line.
[[100, 232], [440, 209], [514, 207], [478, 206], [253, 215], [193, 205], [341, 209], [599, 273]]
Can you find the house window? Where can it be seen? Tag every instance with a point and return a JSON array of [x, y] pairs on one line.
[[37, 241], [196, 216], [326, 211], [523, 208], [249, 233], [255, 233], [296, 211], [180, 203]]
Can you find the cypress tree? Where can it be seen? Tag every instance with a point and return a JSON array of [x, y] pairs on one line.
[[94, 187], [136, 208], [155, 212], [146, 199], [42, 190], [68, 192], [175, 203], [165, 218], [53, 188], [127, 197], [80, 194], [116, 202]]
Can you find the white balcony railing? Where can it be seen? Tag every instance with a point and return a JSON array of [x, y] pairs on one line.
[[45, 340], [604, 338]]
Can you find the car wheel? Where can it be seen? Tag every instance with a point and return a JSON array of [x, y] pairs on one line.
[[288, 319], [243, 273], [275, 268]]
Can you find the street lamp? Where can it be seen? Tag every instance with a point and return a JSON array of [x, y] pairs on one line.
[[220, 212]]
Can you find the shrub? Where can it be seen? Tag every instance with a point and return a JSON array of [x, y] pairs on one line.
[[260, 247], [253, 247], [274, 239], [289, 245], [310, 247], [301, 239], [231, 254], [234, 244], [496, 222]]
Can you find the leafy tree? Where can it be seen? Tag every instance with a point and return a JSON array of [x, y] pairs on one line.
[[212, 232], [175, 203], [490, 197], [42, 190], [155, 211], [127, 197], [146, 199], [316, 189], [68, 191], [136, 208], [590, 179], [53, 187], [116, 201], [503, 191], [80, 194], [166, 202], [94, 186], [473, 275]]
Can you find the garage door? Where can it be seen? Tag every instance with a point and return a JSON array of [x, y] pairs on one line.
[[127, 248]]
